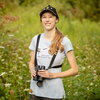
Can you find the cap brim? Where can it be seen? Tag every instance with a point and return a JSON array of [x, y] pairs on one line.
[[47, 10]]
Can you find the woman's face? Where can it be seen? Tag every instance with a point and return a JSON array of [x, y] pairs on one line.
[[48, 21]]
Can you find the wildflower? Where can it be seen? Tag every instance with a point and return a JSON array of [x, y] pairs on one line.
[[24, 64], [91, 84], [26, 89], [20, 77], [11, 18], [76, 93], [83, 68], [2, 47], [20, 58], [3, 73], [87, 88], [29, 90], [10, 71], [10, 35], [7, 85], [2, 60], [15, 68], [11, 92]]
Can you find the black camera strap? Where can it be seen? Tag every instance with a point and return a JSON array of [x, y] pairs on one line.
[[52, 60], [37, 43]]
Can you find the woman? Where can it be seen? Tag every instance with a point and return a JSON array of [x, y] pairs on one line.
[[52, 42]]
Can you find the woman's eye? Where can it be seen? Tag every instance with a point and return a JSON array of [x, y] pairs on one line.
[[50, 16], [43, 17]]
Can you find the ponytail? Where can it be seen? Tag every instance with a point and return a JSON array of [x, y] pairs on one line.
[[56, 43]]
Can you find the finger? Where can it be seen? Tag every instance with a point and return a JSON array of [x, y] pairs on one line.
[[34, 74], [41, 73], [41, 70]]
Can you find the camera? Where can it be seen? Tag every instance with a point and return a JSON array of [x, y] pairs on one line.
[[38, 78]]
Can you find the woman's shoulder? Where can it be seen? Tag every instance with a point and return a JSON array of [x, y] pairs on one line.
[[65, 40], [35, 37]]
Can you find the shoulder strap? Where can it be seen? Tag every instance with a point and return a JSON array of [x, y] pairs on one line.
[[37, 43], [52, 60]]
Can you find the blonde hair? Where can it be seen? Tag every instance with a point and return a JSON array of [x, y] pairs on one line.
[[56, 43]]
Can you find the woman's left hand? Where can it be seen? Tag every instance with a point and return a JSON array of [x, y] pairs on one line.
[[44, 73]]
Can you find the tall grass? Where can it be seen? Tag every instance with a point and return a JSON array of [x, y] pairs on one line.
[[15, 38]]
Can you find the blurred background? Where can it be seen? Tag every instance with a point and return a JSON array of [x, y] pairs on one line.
[[19, 22]]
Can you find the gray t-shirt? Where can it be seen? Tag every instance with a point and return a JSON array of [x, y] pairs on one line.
[[52, 88]]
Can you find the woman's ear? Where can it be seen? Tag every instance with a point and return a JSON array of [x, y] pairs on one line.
[[57, 21]]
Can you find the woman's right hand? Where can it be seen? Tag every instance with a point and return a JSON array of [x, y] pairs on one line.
[[31, 64], [33, 73]]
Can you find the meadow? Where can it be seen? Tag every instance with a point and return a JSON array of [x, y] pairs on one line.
[[16, 31]]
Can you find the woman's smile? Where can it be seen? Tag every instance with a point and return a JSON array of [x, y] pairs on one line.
[[48, 21], [47, 24]]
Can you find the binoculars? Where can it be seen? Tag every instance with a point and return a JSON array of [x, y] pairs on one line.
[[38, 78]]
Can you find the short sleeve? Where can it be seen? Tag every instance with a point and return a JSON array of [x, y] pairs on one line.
[[33, 43], [67, 45]]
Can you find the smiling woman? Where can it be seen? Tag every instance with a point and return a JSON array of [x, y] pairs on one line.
[[48, 21], [48, 51]]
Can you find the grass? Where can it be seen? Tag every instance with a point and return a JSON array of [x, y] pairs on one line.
[[15, 37]]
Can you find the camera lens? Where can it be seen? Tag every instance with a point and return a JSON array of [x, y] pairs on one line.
[[39, 84]]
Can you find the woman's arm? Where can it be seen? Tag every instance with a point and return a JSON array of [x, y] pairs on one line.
[[72, 71], [31, 63], [74, 67]]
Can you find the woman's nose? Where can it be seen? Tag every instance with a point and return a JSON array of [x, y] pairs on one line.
[[47, 19]]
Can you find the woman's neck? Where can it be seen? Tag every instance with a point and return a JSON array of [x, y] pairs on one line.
[[50, 34]]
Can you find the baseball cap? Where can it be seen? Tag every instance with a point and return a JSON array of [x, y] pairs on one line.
[[49, 9]]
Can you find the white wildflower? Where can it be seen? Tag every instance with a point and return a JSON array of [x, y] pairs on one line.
[[77, 75], [76, 93], [2, 60], [2, 47], [91, 84], [26, 89], [87, 88], [20, 58], [10, 35], [10, 71], [89, 66], [83, 68], [20, 77], [24, 64], [7, 85], [3, 73]]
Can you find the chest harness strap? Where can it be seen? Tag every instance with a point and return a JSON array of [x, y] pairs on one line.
[[52, 60]]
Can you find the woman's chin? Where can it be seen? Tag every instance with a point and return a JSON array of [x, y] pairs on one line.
[[48, 28]]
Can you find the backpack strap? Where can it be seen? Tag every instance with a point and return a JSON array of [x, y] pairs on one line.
[[37, 43]]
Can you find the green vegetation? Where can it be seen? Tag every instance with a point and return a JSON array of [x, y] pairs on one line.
[[18, 24]]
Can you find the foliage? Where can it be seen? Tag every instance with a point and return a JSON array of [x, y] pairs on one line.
[[16, 31], [13, 64], [76, 8]]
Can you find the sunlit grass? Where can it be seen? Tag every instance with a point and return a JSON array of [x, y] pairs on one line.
[[15, 38]]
